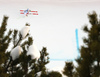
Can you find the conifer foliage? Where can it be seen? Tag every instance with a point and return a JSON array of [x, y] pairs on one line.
[[89, 60], [16, 62], [5, 40], [68, 69]]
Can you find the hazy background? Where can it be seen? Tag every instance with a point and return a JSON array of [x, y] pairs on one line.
[[54, 26]]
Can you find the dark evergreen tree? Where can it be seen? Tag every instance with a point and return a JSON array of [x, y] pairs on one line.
[[68, 69], [44, 59], [54, 74], [89, 60], [51, 74], [23, 66], [5, 40]]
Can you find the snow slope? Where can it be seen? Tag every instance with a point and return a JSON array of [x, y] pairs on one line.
[[54, 26]]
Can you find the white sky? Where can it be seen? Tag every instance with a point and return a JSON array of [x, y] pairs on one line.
[[55, 25]]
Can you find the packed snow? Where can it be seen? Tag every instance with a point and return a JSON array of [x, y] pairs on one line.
[[15, 52], [39, 74], [46, 58], [24, 31], [33, 52]]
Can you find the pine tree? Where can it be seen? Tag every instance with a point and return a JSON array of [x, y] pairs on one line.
[[24, 65], [89, 60], [68, 69], [51, 74], [5, 40], [44, 59], [54, 74]]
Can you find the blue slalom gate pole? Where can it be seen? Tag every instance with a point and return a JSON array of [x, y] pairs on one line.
[[77, 42]]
